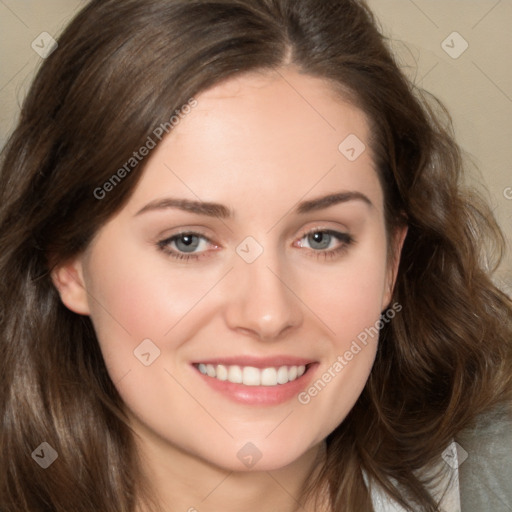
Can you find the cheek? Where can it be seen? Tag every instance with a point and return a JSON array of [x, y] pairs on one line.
[[133, 296], [349, 301], [349, 295]]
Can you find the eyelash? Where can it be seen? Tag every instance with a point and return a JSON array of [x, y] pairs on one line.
[[345, 238]]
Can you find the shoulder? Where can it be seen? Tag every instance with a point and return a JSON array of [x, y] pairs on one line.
[[485, 476], [445, 485], [478, 468]]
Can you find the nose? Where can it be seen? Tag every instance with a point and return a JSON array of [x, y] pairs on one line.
[[262, 300]]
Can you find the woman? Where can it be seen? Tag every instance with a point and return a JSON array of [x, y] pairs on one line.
[[240, 271]]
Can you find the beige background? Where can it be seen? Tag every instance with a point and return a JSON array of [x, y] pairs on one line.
[[476, 86]]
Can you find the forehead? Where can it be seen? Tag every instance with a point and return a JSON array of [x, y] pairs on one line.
[[276, 108], [283, 134]]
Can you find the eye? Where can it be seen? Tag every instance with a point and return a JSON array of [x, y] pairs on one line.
[[184, 245], [323, 243], [335, 242]]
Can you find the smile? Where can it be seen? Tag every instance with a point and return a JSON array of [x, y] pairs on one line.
[[251, 376], [260, 381]]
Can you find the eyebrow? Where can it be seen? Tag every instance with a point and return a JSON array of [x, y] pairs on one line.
[[223, 212]]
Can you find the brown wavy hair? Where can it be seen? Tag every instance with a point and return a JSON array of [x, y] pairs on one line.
[[121, 69]]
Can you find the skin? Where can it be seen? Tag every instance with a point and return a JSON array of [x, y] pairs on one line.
[[258, 144]]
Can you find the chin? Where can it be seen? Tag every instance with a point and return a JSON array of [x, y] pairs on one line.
[[259, 456]]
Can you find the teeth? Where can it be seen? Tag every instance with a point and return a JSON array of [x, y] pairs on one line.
[[282, 375], [221, 372], [235, 374], [250, 376], [269, 377]]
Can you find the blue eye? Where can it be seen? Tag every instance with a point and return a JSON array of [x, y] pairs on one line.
[[187, 242], [320, 240], [187, 245]]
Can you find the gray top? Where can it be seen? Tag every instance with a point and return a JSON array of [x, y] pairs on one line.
[[485, 477], [477, 468]]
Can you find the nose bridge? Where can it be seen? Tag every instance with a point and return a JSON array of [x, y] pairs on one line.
[[262, 301]]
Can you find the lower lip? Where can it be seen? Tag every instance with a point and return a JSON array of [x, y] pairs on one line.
[[260, 395]]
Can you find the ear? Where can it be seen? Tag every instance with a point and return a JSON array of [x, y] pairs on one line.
[[69, 281], [397, 242]]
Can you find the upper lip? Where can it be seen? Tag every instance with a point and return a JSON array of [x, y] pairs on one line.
[[257, 362]]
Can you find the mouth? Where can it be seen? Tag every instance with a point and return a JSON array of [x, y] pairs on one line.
[[256, 381], [252, 376]]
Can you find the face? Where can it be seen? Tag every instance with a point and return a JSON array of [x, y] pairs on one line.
[[231, 293]]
